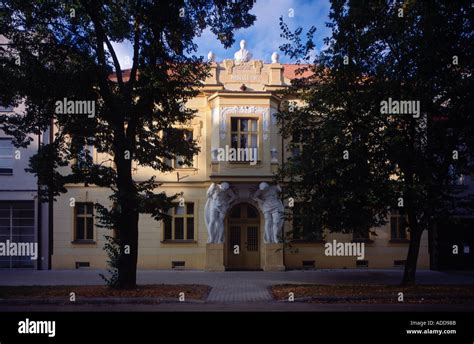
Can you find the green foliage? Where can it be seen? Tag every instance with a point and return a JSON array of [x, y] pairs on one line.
[[106, 219], [73, 57], [356, 160]]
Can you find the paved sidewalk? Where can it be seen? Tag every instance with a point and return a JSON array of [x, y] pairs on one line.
[[235, 286]]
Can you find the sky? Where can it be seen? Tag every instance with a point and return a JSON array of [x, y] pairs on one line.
[[263, 38]]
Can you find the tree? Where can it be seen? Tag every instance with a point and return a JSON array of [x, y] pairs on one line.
[[67, 51], [358, 160]]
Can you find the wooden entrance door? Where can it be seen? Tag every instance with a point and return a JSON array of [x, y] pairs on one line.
[[243, 238]]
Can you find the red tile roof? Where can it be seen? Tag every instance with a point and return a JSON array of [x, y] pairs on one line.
[[289, 72]]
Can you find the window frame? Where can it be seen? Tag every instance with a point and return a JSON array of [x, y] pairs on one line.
[[183, 216], [10, 158], [259, 134], [296, 143], [85, 216], [81, 157], [173, 162], [395, 215]]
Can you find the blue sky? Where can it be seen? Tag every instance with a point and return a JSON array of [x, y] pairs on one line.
[[263, 38]]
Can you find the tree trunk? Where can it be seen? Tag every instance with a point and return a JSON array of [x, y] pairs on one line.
[[412, 257], [128, 229], [127, 225]]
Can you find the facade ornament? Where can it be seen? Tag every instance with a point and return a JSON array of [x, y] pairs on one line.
[[267, 197], [275, 57], [243, 55], [211, 57], [219, 198]]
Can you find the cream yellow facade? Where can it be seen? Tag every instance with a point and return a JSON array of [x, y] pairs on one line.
[[235, 89]]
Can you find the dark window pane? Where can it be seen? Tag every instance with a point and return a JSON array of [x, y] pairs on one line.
[[190, 208], [235, 212], [23, 222], [90, 208], [190, 228], [167, 222], [90, 229], [234, 124], [252, 239], [244, 125], [79, 228], [234, 237], [80, 208], [23, 213], [254, 125], [178, 228], [188, 135], [252, 213], [179, 210], [233, 141], [243, 141]]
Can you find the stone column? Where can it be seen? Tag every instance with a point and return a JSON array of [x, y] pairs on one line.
[[273, 257], [215, 257]]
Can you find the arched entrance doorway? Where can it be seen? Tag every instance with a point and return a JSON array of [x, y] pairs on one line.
[[242, 249]]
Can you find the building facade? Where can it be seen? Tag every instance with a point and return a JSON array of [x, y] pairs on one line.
[[24, 221], [235, 110]]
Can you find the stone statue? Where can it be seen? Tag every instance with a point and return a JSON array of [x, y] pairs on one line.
[[210, 56], [268, 199], [219, 198], [243, 55], [275, 57]]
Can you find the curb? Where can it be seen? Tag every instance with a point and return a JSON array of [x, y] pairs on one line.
[[92, 300], [366, 298]]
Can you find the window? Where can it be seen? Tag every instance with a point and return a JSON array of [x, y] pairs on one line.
[[298, 139], [244, 136], [187, 135], [398, 226], [84, 221], [6, 156], [305, 225], [180, 223], [17, 224], [85, 154]]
